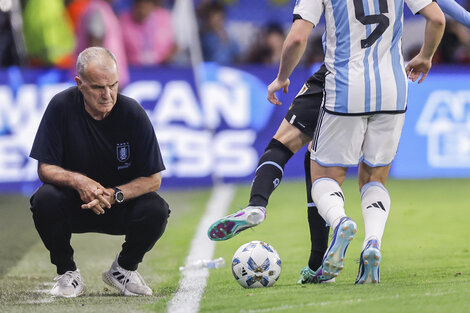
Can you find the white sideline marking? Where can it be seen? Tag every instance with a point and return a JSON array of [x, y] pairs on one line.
[[47, 299], [193, 283], [39, 301]]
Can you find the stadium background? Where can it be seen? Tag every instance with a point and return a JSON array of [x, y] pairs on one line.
[[213, 130], [216, 128]]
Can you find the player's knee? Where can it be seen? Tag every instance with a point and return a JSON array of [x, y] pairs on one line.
[[46, 201], [153, 210], [278, 145]]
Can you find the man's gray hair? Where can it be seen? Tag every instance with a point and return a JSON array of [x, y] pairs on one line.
[[89, 54]]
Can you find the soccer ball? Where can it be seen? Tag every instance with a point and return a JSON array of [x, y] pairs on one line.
[[256, 264]]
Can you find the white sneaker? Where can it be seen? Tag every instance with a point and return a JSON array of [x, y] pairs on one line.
[[68, 285], [129, 283]]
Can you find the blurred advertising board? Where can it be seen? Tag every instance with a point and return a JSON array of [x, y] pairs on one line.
[[217, 132], [436, 137]]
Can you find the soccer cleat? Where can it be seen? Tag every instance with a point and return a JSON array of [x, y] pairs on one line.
[[129, 283], [309, 276], [333, 261], [231, 225], [68, 285], [369, 264]]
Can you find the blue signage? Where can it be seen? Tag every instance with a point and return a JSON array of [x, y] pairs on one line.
[[435, 141], [218, 131]]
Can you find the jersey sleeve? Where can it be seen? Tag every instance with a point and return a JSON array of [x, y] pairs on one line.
[[48, 145], [148, 155], [309, 10], [416, 5], [456, 11]]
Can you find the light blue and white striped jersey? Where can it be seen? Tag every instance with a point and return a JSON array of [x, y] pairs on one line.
[[363, 53], [456, 11]]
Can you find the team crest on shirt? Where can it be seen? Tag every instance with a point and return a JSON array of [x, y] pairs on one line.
[[302, 90], [123, 151]]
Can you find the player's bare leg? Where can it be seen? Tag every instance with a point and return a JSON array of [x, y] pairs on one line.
[[291, 136]]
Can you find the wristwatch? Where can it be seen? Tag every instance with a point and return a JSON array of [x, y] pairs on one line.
[[118, 195]]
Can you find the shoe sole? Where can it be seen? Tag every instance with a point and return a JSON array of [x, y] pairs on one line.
[[333, 262], [230, 226], [71, 296], [109, 280], [371, 260]]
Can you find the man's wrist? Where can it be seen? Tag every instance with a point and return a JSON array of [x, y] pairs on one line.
[[75, 180], [118, 195]]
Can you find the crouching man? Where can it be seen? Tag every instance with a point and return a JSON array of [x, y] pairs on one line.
[[101, 166]]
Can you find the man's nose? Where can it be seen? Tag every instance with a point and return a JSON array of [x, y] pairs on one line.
[[106, 93]]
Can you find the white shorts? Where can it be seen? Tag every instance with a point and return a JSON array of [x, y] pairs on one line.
[[346, 141]]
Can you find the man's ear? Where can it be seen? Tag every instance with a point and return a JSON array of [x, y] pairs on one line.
[[78, 81]]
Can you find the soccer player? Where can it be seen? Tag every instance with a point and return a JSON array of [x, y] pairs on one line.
[[363, 112], [101, 166], [295, 131]]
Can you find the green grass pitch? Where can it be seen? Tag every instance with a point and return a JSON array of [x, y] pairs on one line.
[[425, 257]]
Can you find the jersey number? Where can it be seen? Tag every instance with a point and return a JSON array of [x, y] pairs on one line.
[[380, 19]]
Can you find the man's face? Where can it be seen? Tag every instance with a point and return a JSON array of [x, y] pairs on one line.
[[99, 86]]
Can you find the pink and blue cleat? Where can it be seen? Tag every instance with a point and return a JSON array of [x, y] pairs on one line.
[[309, 276], [231, 225]]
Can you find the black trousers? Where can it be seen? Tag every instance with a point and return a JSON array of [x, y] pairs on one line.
[[57, 213]]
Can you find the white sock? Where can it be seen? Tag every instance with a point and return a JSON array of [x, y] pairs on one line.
[[375, 206], [329, 198]]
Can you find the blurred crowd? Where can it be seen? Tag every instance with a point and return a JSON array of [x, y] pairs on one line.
[[142, 32]]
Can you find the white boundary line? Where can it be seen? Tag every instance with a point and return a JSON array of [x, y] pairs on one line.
[[193, 282], [44, 294]]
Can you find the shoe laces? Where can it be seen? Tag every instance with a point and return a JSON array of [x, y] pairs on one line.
[[126, 279], [309, 275], [128, 276], [67, 278]]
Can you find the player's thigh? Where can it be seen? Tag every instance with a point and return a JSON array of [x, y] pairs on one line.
[[304, 110], [338, 140], [382, 138]]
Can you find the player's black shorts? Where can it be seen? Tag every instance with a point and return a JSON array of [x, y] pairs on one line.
[[303, 112]]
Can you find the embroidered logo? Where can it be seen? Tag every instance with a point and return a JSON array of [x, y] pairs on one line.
[[276, 182], [378, 205], [123, 151], [302, 90]]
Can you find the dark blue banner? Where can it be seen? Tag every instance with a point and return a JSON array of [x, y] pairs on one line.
[[436, 136], [218, 131]]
